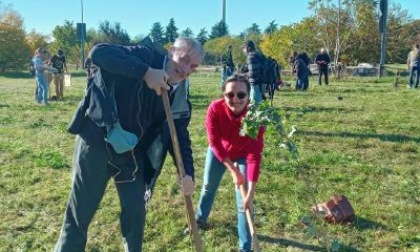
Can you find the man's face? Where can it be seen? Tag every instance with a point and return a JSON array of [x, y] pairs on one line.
[[244, 49], [181, 65]]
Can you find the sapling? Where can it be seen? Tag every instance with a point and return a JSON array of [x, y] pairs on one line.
[[267, 116]]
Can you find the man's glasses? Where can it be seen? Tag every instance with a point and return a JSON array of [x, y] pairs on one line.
[[239, 95]]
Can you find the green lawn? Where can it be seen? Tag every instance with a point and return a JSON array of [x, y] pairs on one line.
[[365, 145]]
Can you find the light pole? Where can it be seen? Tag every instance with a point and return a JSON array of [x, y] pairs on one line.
[[82, 38], [224, 11]]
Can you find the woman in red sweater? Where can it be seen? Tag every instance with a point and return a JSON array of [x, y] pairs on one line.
[[240, 155]]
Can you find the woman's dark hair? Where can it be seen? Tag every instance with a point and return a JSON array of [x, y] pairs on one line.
[[238, 78]]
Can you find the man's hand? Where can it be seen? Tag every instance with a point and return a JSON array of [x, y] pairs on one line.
[[156, 79], [187, 184]]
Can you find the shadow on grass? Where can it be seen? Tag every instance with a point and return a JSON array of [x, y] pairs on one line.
[[290, 243], [311, 109], [364, 224], [383, 137], [18, 75], [27, 75], [367, 90]]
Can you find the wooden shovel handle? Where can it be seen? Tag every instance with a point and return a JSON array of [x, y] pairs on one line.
[[255, 243], [181, 172]]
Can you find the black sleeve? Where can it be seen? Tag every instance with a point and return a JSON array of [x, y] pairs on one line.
[[129, 61]]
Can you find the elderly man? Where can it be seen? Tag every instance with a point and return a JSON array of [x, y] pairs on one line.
[[322, 60], [121, 134]]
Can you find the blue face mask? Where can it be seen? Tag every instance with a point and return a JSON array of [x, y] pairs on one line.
[[120, 139]]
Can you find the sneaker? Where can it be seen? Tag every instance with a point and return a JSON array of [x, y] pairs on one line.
[[200, 226]]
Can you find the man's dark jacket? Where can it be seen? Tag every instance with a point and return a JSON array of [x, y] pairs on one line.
[[119, 73]]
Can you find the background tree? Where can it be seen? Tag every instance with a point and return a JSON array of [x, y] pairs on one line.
[[216, 47], [171, 32], [220, 29], [64, 38], [36, 40], [279, 45], [156, 33], [254, 29], [187, 33], [202, 36], [366, 36], [401, 35], [113, 33], [334, 25], [15, 53], [271, 28]]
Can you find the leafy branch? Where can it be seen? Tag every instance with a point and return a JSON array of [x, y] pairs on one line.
[[267, 116]]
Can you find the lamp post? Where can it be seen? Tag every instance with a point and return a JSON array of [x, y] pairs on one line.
[[224, 11], [82, 38]]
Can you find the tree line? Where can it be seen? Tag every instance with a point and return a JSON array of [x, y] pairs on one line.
[[348, 29]]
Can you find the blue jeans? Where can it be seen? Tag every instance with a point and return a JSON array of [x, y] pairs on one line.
[[213, 173], [94, 165], [256, 94], [302, 83], [414, 70], [42, 88]]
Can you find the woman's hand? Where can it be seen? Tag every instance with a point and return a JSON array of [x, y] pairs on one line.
[[248, 196], [248, 201], [156, 79], [238, 178]]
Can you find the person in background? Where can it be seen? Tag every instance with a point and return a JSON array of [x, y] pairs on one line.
[[58, 61], [228, 151], [413, 65], [292, 61], [302, 71], [125, 97], [42, 86], [322, 60], [254, 72], [228, 67]]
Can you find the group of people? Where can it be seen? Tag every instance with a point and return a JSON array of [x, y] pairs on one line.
[[41, 67], [300, 67], [124, 98]]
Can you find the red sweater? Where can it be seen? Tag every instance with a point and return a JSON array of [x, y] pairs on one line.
[[223, 135]]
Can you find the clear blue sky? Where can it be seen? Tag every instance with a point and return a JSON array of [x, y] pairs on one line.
[[137, 17]]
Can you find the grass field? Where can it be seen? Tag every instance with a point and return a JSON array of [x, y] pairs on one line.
[[365, 145]]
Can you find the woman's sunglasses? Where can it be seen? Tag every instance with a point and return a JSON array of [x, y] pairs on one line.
[[239, 95]]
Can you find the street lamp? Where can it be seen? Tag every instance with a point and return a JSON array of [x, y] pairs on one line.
[[83, 38]]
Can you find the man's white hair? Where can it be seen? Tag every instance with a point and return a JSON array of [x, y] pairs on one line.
[[189, 46]]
